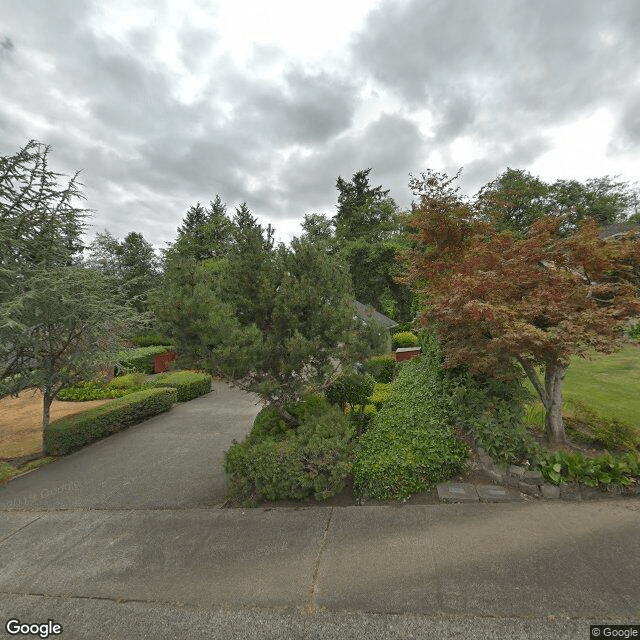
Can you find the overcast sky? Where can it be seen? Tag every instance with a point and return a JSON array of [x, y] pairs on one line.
[[162, 104]]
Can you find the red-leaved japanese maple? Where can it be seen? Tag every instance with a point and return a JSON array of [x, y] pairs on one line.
[[536, 302]]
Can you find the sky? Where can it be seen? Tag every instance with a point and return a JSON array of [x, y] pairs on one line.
[[161, 104]]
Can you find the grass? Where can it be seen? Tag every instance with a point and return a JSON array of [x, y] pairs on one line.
[[8, 471], [609, 385]]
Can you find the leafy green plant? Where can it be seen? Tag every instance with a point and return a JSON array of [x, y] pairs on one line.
[[188, 384], [90, 390], [382, 368], [128, 381], [380, 395], [140, 359], [73, 432], [607, 469], [276, 462], [151, 340], [404, 339], [350, 389], [411, 443], [585, 425]]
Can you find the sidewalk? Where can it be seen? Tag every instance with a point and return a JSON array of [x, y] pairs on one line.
[[113, 543]]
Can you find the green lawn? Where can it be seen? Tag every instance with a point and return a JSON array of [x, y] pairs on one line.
[[607, 384]]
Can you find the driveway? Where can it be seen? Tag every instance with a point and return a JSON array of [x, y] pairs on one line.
[[125, 539]]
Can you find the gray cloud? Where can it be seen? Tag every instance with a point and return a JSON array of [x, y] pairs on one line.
[[277, 132], [496, 67]]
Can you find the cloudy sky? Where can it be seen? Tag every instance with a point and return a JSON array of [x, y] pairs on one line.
[[164, 103]]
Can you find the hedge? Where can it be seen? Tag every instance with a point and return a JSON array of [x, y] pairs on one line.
[[404, 339], [382, 368], [73, 432], [188, 384], [140, 359]]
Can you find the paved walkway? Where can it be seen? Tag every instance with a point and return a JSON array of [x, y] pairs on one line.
[[125, 539]]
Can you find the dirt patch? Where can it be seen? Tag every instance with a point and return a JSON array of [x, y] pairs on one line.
[[21, 422]]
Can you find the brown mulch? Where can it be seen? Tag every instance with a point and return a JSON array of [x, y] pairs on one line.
[[21, 422]]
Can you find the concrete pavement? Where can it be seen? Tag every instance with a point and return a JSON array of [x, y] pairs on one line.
[[125, 539]]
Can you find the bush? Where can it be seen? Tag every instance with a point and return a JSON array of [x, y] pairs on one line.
[[188, 384], [140, 359], [587, 426], [380, 395], [85, 391], [350, 389], [411, 443], [493, 411], [128, 381], [600, 470], [151, 340], [404, 339], [73, 432], [381, 368], [274, 463]]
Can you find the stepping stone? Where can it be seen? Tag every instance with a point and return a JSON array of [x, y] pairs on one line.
[[457, 492], [493, 493]]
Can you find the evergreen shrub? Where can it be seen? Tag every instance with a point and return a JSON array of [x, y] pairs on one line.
[[140, 359], [382, 368], [188, 384], [73, 432], [279, 462], [404, 339], [150, 340]]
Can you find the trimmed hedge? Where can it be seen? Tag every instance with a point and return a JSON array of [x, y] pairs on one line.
[[150, 340], [404, 339], [382, 368], [73, 432], [140, 359], [188, 384]]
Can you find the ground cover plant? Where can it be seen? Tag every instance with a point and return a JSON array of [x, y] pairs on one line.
[[411, 443], [277, 461]]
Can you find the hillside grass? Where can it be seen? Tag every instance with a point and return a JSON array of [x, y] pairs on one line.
[[608, 384]]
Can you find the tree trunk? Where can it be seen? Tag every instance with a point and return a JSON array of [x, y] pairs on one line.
[[287, 417], [553, 378], [46, 406]]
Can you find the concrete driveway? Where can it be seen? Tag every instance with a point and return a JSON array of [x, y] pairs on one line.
[[125, 539]]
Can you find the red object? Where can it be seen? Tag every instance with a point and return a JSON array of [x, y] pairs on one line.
[[406, 354], [162, 360]]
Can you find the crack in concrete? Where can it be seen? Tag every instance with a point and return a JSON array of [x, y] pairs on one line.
[[310, 608], [20, 529]]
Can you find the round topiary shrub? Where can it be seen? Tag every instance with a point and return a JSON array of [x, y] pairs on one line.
[[404, 339]]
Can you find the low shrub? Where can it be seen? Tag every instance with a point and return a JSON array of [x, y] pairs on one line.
[[188, 384], [404, 339], [380, 395], [607, 469], [73, 432], [411, 443], [350, 389], [151, 340], [278, 463], [586, 426], [493, 411], [85, 391], [382, 368], [140, 359], [128, 381]]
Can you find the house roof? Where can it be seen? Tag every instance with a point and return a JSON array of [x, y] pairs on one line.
[[617, 229], [368, 313]]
